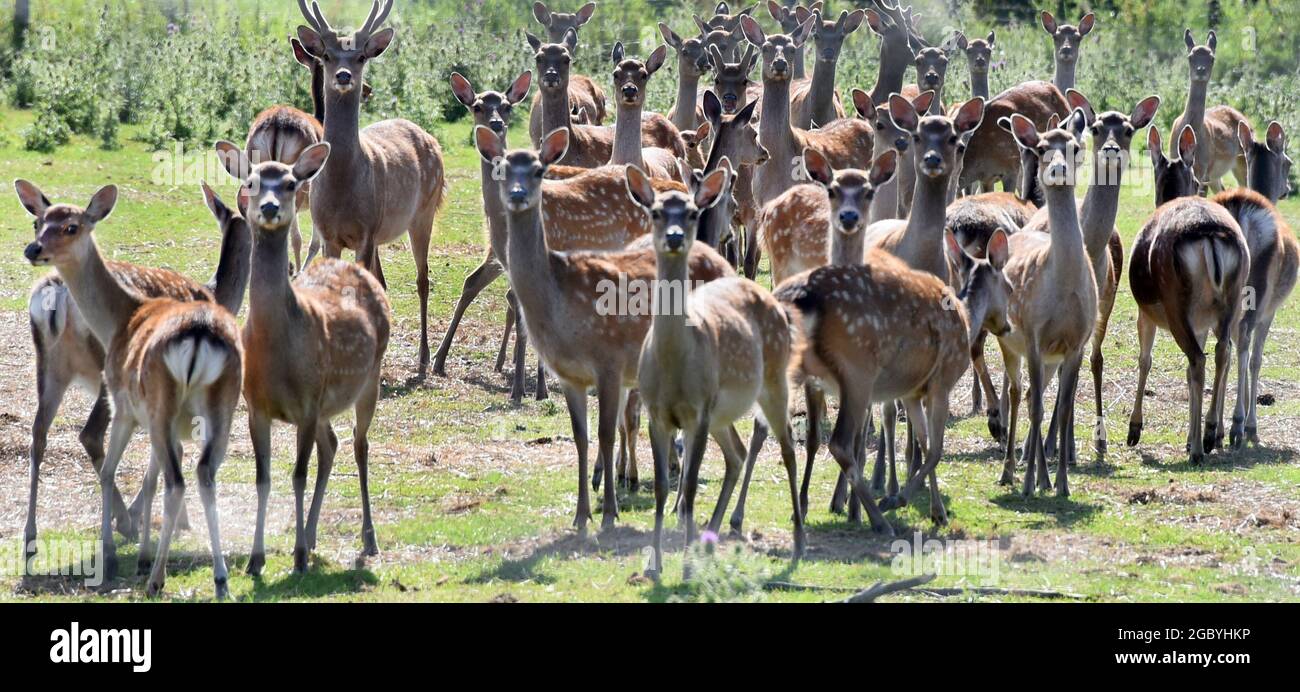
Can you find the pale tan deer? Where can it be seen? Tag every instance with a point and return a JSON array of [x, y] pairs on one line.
[[68, 354], [631, 77], [815, 100], [789, 18], [1267, 163], [382, 182], [313, 349], [845, 143], [1052, 310], [1218, 150], [1067, 40], [692, 64], [710, 357], [979, 56], [171, 366], [584, 340], [1189, 268], [584, 93]]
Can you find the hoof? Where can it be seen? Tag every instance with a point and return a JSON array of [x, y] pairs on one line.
[[799, 542], [154, 588], [1252, 435], [300, 560], [542, 394], [439, 370], [256, 562], [144, 564], [1134, 434], [738, 526], [607, 522], [1100, 446], [127, 528], [222, 590], [369, 547], [652, 575], [1196, 459], [884, 529], [110, 565]]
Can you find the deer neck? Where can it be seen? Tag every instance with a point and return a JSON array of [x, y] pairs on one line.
[[822, 91], [317, 93], [272, 305], [671, 333], [688, 85], [774, 130], [979, 85], [1030, 189], [1100, 207], [894, 61], [627, 137], [1064, 77], [105, 303], [922, 244], [234, 267], [343, 132], [847, 249], [555, 109], [529, 265], [1194, 111], [1068, 258], [797, 64]]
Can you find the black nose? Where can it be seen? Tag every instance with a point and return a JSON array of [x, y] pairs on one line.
[[518, 194], [780, 66], [343, 77], [32, 252], [270, 210], [933, 160], [901, 144], [675, 239], [629, 92], [849, 218], [497, 125]]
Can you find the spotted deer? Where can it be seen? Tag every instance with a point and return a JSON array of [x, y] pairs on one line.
[[382, 181], [313, 349], [1052, 310], [1219, 150], [711, 355], [171, 366], [1267, 164], [584, 344], [1189, 269], [584, 93], [979, 56], [789, 18], [630, 79], [845, 143], [815, 100], [692, 64], [1067, 40], [68, 353]]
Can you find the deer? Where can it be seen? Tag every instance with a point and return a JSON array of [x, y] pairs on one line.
[[696, 142], [898, 47], [593, 146], [1189, 268], [1216, 129], [814, 100], [1274, 261], [313, 349], [384, 181], [681, 371], [731, 82], [630, 79], [1112, 136], [1052, 309], [723, 20], [68, 353], [734, 143], [846, 143], [887, 204], [789, 18], [579, 339], [172, 366], [993, 155], [1067, 42], [979, 56], [584, 93], [692, 64], [932, 74], [863, 350]]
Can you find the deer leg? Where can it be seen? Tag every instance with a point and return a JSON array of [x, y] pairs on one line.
[[420, 235], [984, 383], [753, 253], [479, 279], [50, 389], [860, 456], [542, 393], [92, 440], [628, 432], [661, 438], [512, 309], [259, 428], [519, 380], [1068, 382], [119, 436], [853, 408], [214, 452], [304, 202], [1034, 444], [1011, 390], [1245, 335], [365, 413], [306, 442], [1222, 364], [1196, 396], [327, 445], [733, 455], [1053, 427], [755, 446], [815, 401], [144, 558], [1256, 362], [167, 452], [576, 398], [696, 442], [1146, 329], [295, 239], [611, 397], [773, 402]]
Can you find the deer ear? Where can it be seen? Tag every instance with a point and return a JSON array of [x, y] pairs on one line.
[[489, 144], [1245, 137], [702, 132], [1187, 145], [617, 54], [554, 146], [586, 12], [854, 21], [712, 107], [1076, 99], [1213, 42], [1005, 123], [533, 41], [300, 53], [800, 35], [818, 168], [571, 41], [752, 31], [863, 105], [923, 101], [1276, 138], [542, 14], [1024, 131], [903, 114], [1053, 121], [1086, 24], [970, 115], [101, 205], [218, 208], [234, 160], [711, 188], [519, 88], [1078, 124], [1154, 147], [33, 200], [746, 114], [954, 248], [705, 29], [883, 168], [461, 89], [1189, 39], [1144, 112], [874, 22], [775, 10], [991, 38], [378, 43], [639, 187], [959, 40], [1049, 22], [999, 249], [722, 8], [311, 161], [670, 37], [656, 59]]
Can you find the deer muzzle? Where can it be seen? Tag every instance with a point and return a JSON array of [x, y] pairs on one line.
[[33, 253]]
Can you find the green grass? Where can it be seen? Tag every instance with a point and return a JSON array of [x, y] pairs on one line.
[[474, 502]]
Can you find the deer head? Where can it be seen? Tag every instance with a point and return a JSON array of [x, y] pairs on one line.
[[62, 230], [1174, 177], [734, 134], [886, 132], [931, 68], [936, 137], [558, 24], [491, 109], [632, 75], [778, 49], [1068, 37], [1269, 167], [979, 52], [985, 291], [1200, 59], [692, 53], [1058, 149], [731, 80], [521, 171], [1112, 132], [344, 57], [272, 187], [828, 36], [554, 59], [675, 216], [850, 191]]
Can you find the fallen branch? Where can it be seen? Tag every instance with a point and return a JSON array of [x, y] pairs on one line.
[[881, 589], [995, 591]]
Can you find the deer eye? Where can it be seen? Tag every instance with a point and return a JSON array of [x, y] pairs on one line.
[[71, 230], [952, 139], [289, 186], [478, 108]]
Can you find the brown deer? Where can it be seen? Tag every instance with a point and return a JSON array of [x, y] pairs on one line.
[[1189, 268], [1067, 42], [932, 74], [1112, 137], [886, 135], [583, 340], [845, 143], [710, 356], [692, 64], [993, 155], [313, 349], [731, 82], [1268, 166], [979, 56], [696, 142], [631, 77], [172, 366], [383, 181], [898, 47], [1052, 310], [723, 20], [789, 18], [67, 352], [736, 142], [815, 100], [1219, 151], [584, 93]]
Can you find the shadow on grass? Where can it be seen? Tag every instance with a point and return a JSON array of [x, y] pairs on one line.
[[1045, 510], [1224, 460]]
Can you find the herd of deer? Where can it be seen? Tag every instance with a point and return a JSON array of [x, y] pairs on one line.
[[891, 256]]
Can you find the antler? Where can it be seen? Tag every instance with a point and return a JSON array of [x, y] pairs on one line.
[[315, 18], [374, 22]]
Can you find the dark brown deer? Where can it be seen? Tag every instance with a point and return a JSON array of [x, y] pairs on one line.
[[815, 100], [1268, 166], [584, 93]]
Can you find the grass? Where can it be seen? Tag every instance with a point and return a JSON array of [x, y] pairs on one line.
[[474, 498]]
